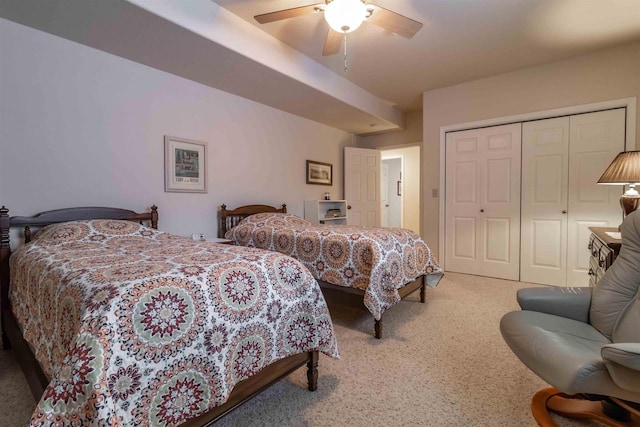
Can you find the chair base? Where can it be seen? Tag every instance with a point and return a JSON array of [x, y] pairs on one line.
[[614, 412]]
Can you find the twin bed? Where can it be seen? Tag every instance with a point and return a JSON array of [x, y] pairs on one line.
[[115, 322], [380, 266], [118, 323]]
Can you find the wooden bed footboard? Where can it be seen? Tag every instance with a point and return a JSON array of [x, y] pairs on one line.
[[252, 386], [38, 381]]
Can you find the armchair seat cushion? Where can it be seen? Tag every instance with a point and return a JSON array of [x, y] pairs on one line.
[[563, 352]]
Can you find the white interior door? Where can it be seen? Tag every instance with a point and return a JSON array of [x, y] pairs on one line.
[[362, 186], [545, 174], [594, 140], [483, 201]]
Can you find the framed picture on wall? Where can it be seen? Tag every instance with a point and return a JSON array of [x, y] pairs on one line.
[[185, 165], [319, 173]]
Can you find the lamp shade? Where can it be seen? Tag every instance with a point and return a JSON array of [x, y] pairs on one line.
[[625, 169], [345, 16]]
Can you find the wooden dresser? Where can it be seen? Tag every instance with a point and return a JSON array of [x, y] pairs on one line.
[[604, 250]]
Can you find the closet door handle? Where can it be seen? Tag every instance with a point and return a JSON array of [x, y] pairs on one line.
[[481, 210], [564, 211]]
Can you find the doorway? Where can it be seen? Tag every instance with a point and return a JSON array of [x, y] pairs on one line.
[[391, 187], [400, 190]]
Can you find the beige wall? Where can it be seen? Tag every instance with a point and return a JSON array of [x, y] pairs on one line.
[[601, 76], [81, 127]]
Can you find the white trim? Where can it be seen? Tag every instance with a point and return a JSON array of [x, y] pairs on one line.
[[630, 143]]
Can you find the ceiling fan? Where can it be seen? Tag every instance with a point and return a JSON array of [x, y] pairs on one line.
[[345, 16]]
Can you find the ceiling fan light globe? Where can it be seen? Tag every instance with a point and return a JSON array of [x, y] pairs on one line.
[[345, 16]]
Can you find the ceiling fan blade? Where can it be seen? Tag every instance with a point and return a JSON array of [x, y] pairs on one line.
[[289, 13], [333, 43], [394, 22]]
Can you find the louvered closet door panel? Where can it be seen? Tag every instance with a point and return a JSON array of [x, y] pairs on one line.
[[545, 174], [595, 139], [483, 201]]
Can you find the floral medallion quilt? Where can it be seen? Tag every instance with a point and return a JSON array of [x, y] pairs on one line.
[[140, 327], [376, 260]]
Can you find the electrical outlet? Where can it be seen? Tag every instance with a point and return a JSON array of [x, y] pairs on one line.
[[198, 236]]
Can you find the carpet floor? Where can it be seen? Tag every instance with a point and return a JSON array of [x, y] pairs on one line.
[[442, 363]]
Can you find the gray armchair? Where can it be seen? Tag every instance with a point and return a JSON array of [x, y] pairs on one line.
[[584, 342]]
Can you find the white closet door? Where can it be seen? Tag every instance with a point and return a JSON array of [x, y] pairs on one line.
[[595, 139], [545, 173], [483, 201]]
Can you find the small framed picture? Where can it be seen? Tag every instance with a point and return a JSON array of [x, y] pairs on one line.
[[319, 173], [185, 163]]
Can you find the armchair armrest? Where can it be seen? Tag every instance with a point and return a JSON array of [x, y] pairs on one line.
[[623, 363], [626, 354], [572, 303]]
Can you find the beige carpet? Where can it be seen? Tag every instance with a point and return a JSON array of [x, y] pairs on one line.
[[442, 363]]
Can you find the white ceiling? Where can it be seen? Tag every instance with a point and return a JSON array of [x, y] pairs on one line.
[[219, 44], [461, 40]]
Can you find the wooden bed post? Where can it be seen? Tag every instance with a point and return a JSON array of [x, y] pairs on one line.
[[378, 328], [222, 221], [154, 217], [312, 370], [5, 251]]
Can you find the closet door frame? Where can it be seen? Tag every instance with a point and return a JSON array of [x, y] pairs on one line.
[[630, 142]]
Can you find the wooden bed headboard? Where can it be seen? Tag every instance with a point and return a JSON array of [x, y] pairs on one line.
[[54, 217], [227, 219]]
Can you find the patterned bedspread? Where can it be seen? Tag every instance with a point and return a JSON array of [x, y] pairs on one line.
[[141, 327], [377, 260]]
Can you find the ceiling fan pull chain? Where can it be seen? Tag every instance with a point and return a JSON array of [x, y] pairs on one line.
[[345, 53]]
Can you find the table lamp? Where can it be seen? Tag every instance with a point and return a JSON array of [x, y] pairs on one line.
[[625, 170]]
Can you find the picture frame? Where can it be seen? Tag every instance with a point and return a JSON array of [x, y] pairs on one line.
[[185, 163], [319, 173], [399, 188]]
